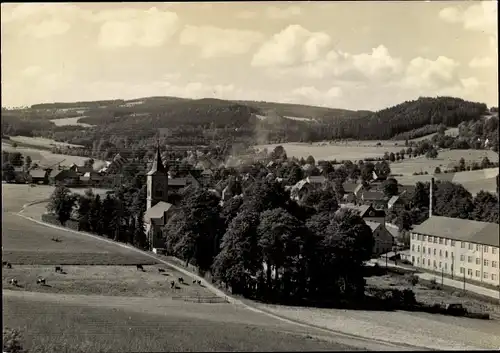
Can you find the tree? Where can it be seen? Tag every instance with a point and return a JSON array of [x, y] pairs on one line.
[[8, 172], [392, 157], [140, 239], [390, 187], [16, 159], [12, 341], [84, 206], [437, 170], [461, 164], [452, 200], [485, 207], [239, 256], [61, 204], [382, 169], [432, 153], [367, 171], [89, 163], [95, 215], [485, 163], [278, 153], [310, 160], [27, 162]]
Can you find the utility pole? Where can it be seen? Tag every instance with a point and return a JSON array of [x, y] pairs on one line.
[[385, 260], [464, 280], [442, 276]]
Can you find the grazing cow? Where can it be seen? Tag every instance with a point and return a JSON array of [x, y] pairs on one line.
[[40, 281], [161, 270], [199, 282], [172, 284], [59, 269], [181, 280], [57, 240], [194, 281], [140, 268], [13, 281], [6, 264]]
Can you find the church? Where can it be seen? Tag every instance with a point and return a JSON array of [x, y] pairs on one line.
[[158, 209]]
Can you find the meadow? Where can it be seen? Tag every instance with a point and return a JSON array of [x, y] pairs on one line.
[[452, 131], [40, 141], [70, 121], [349, 150]]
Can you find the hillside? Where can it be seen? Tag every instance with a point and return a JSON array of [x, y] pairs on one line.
[[197, 120]]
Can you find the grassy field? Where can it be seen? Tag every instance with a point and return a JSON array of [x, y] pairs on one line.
[[40, 141], [106, 280], [352, 150], [64, 325], [48, 158], [70, 121], [452, 131], [445, 160]]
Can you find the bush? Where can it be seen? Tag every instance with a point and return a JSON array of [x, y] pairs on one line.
[[11, 341], [413, 280]]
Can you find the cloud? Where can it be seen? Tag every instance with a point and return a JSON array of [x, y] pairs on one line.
[[481, 62], [31, 71], [312, 95], [478, 17], [246, 15], [426, 73], [217, 42], [291, 46], [128, 27], [47, 28], [282, 13]]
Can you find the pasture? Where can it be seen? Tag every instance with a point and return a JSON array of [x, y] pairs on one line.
[[349, 150], [445, 160], [70, 121], [40, 141], [452, 131], [81, 324], [47, 158]]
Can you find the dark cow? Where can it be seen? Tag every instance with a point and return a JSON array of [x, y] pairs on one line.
[[140, 268], [172, 284], [161, 270], [13, 281], [181, 280], [40, 281], [59, 269]]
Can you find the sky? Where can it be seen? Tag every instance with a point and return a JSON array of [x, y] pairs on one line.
[[358, 55]]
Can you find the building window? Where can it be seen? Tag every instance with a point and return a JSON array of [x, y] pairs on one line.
[[413, 259], [413, 247], [423, 248], [469, 259], [428, 262], [425, 237], [428, 250], [440, 264], [446, 242], [446, 254], [434, 263], [494, 264], [462, 257], [430, 239], [478, 261], [445, 266], [493, 277], [463, 245], [420, 237], [434, 251], [462, 270], [418, 260], [493, 250], [435, 240], [440, 240], [485, 249], [440, 253], [453, 243], [485, 275], [478, 247], [469, 271], [486, 262], [471, 246], [478, 273], [413, 236], [418, 248]]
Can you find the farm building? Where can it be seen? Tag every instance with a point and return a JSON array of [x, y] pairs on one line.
[[383, 240], [66, 177], [91, 178], [20, 175], [39, 176], [458, 247], [375, 198]]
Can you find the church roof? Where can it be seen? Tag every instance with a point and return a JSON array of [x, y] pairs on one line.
[[157, 212], [158, 166]]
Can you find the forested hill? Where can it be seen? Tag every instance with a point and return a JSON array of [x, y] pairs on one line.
[[196, 119]]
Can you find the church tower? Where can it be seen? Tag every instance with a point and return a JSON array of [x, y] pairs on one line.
[[157, 181]]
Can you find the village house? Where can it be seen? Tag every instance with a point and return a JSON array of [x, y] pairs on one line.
[[374, 197], [39, 176], [383, 239], [66, 177], [91, 178], [396, 203]]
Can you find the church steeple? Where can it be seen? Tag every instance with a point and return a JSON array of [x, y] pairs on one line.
[[158, 166]]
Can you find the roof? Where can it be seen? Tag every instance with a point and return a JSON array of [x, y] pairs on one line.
[[316, 179], [157, 211], [358, 188], [177, 182], [207, 172], [84, 169], [373, 225], [362, 209], [460, 229], [392, 200], [349, 187], [373, 195], [38, 173], [157, 166]]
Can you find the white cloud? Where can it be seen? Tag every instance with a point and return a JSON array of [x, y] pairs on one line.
[[313, 95], [282, 13], [128, 27], [31, 71], [426, 73], [246, 15], [216, 42], [291, 46], [378, 63], [480, 62], [478, 17], [47, 28]]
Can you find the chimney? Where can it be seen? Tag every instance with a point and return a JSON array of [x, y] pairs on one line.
[[431, 190]]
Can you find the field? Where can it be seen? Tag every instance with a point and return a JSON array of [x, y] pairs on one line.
[[452, 131], [445, 160], [70, 121], [40, 141], [44, 157], [350, 150]]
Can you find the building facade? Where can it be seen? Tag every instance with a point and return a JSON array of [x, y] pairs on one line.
[[457, 247]]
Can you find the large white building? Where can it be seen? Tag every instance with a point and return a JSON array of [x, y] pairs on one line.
[[458, 247]]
